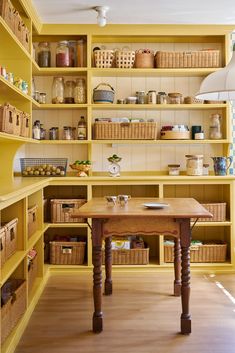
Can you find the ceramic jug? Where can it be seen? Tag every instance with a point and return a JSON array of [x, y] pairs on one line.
[[221, 165]]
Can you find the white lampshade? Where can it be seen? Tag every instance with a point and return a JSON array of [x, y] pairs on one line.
[[220, 85]]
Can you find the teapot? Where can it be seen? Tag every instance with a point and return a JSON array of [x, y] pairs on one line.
[[221, 165]]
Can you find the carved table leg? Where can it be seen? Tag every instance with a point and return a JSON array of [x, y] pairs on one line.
[[185, 239], [108, 288], [97, 274], [177, 263]]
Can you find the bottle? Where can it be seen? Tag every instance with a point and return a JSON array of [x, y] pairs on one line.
[[44, 54], [36, 130], [62, 54], [82, 129]]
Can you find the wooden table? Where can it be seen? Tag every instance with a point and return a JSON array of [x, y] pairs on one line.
[[133, 218]]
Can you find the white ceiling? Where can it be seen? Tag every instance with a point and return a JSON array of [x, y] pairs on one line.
[[138, 11]]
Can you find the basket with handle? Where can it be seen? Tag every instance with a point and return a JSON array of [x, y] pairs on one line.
[[125, 59], [103, 95], [103, 59]]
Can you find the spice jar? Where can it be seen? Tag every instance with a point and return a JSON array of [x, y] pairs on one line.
[[140, 95], [174, 169], [54, 133], [161, 98], [80, 91], [175, 98], [69, 92], [44, 54], [58, 90], [152, 97], [62, 54], [67, 133], [194, 164]]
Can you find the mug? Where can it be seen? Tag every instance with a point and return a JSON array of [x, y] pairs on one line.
[[221, 165], [111, 200], [123, 199]]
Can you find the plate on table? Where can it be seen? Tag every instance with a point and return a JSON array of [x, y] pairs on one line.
[[156, 205]]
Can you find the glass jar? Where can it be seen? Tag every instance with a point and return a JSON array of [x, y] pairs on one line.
[[161, 98], [175, 98], [152, 97], [67, 133], [72, 53], [42, 132], [58, 90], [44, 54], [42, 98], [36, 130], [215, 127], [194, 164], [54, 133], [81, 53], [174, 169], [69, 92], [140, 97], [62, 54], [80, 91]]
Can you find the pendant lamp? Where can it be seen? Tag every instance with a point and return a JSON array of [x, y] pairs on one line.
[[220, 85]]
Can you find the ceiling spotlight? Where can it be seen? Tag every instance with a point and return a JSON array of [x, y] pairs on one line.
[[101, 17]]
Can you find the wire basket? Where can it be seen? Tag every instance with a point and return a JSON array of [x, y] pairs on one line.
[[43, 167]]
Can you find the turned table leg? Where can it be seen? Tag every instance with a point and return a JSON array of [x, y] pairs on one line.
[[177, 264], [97, 274], [108, 287]]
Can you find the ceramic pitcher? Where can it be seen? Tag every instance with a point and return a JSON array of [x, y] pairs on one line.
[[221, 165]]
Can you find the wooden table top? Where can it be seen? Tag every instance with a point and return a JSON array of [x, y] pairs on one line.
[[177, 208]]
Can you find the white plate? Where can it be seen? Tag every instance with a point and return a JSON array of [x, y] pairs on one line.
[[155, 205]]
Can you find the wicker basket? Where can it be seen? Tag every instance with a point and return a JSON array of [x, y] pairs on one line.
[[11, 238], [7, 118], [125, 131], [67, 253], [200, 253], [25, 37], [25, 132], [32, 220], [14, 308], [124, 59], [103, 95], [103, 58], [187, 59], [217, 209], [192, 100], [129, 257], [7, 13], [17, 122], [144, 59], [32, 272], [62, 209], [3, 245]]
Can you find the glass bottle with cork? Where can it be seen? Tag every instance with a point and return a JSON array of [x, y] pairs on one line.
[[82, 129]]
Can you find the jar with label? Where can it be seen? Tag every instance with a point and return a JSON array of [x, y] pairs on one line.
[[194, 164], [62, 54], [67, 133], [152, 97], [44, 54], [161, 98], [174, 169], [215, 127], [54, 133], [175, 98], [58, 90], [140, 95], [82, 129], [36, 130], [80, 91], [69, 92]]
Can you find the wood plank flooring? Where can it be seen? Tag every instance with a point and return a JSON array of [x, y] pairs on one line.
[[140, 317]]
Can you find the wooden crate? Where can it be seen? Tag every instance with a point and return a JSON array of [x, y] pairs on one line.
[[3, 245], [7, 118], [14, 308], [129, 257], [67, 253], [7, 13], [200, 253], [62, 209], [218, 209], [11, 238], [125, 131], [32, 220], [32, 272]]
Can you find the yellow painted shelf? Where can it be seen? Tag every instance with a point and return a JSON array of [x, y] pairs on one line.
[[213, 224], [161, 142], [8, 138], [58, 106], [35, 237], [11, 264], [54, 71], [67, 225], [10, 92], [64, 142], [158, 106]]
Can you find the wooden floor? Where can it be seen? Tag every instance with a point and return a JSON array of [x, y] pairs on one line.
[[141, 317]]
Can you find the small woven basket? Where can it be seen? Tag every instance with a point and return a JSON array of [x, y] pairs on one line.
[[125, 59], [103, 59], [144, 59]]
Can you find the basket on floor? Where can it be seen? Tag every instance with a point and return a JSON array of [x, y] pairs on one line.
[[67, 253], [129, 256]]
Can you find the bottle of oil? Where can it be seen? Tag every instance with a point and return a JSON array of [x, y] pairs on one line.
[[82, 129]]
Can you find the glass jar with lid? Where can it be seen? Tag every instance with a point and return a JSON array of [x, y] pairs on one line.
[[140, 97], [69, 92], [152, 97], [54, 133], [194, 164], [161, 98], [175, 98], [62, 54], [67, 133], [44, 54], [80, 91], [58, 90]]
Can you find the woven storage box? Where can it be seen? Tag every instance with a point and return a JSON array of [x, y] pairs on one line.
[[7, 13], [25, 37], [3, 245], [129, 257], [7, 118], [11, 238], [200, 253], [217, 209], [25, 119], [187, 59], [14, 308], [32, 220], [32, 272], [144, 59], [128, 131], [62, 209], [67, 253], [18, 25], [103, 58], [17, 122], [124, 59]]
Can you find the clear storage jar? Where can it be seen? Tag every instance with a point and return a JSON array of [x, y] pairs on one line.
[[44, 54], [58, 90], [54, 133], [175, 98], [69, 92], [80, 91], [140, 95], [68, 133], [81, 53], [62, 54], [174, 169], [194, 164], [161, 98]]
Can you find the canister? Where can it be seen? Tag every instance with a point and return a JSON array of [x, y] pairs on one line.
[[174, 169], [161, 98], [194, 164], [152, 97], [175, 98], [140, 97]]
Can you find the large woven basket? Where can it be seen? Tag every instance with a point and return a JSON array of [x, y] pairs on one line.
[[129, 257], [187, 59], [103, 58], [125, 131], [11, 238], [125, 59], [2, 245], [218, 210], [32, 220], [63, 209], [67, 253]]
